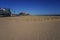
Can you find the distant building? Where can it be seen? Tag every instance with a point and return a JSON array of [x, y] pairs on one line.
[[5, 12], [13, 14]]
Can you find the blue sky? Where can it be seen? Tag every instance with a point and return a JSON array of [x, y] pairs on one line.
[[34, 7]]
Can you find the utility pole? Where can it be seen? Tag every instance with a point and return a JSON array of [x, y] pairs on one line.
[[14, 11]]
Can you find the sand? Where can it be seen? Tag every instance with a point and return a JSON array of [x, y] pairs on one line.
[[30, 28]]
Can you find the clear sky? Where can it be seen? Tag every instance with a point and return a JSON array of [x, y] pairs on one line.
[[34, 7]]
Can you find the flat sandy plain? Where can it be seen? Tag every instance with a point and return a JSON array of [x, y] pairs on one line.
[[30, 28]]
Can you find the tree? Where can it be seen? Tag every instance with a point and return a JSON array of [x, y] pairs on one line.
[[23, 14]]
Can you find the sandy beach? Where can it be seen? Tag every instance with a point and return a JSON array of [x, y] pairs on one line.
[[30, 28]]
